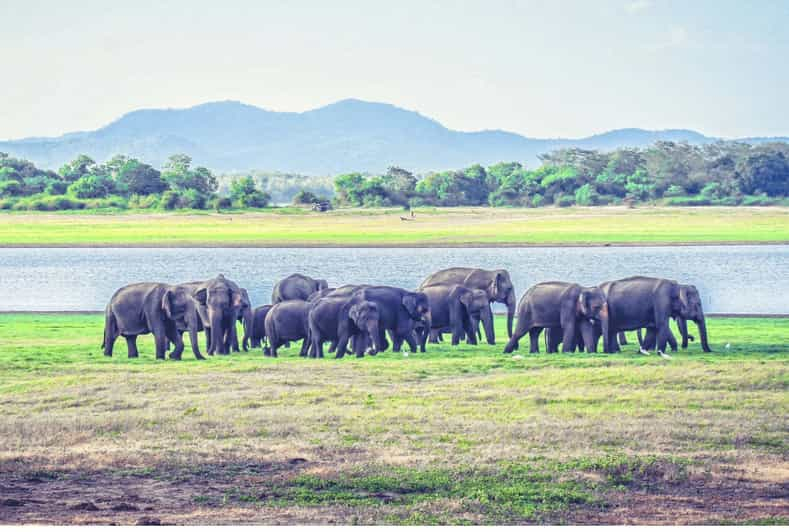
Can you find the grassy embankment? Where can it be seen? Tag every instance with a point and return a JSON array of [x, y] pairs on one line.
[[381, 227], [456, 435]]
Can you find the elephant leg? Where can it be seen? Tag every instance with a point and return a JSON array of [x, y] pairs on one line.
[[160, 342], [534, 339], [176, 338], [672, 340], [640, 337], [524, 324], [434, 334], [568, 337], [649, 340], [682, 325], [409, 339], [305, 347], [131, 346], [382, 341], [208, 347]]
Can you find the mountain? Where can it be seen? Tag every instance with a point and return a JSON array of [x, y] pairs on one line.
[[349, 135]]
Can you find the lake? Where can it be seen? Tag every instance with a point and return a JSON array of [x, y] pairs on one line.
[[731, 279]]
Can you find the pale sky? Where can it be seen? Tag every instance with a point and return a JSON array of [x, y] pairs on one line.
[[542, 69]]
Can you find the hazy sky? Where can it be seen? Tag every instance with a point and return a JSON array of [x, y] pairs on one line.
[[542, 69]]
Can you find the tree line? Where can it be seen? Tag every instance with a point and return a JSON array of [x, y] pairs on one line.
[[122, 182], [674, 173]]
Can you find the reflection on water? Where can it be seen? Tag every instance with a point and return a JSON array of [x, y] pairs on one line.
[[735, 279]]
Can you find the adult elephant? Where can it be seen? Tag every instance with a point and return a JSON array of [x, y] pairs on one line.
[[689, 308], [296, 286], [156, 308], [642, 302], [220, 302], [337, 318], [400, 311], [287, 321], [256, 334], [496, 284], [559, 304], [457, 309]]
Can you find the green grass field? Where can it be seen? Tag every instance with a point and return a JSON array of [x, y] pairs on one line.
[[375, 227], [455, 435]]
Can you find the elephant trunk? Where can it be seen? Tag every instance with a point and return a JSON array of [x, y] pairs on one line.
[[195, 342], [217, 334], [372, 330], [510, 311], [605, 329], [702, 325], [487, 322]]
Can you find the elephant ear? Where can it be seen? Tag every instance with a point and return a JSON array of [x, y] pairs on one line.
[[409, 302], [201, 295], [466, 297]]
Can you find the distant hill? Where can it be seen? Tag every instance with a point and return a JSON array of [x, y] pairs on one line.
[[350, 135]]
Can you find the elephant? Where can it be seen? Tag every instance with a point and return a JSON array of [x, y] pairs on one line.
[[496, 283], [220, 302], [285, 322], [338, 318], [644, 302], [296, 286], [400, 312], [156, 308], [256, 334], [559, 304], [689, 308], [243, 311], [457, 309]]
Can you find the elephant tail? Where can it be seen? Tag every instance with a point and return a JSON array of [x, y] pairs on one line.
[[110, 329]]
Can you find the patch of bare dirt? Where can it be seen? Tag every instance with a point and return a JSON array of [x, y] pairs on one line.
[[741, 493]]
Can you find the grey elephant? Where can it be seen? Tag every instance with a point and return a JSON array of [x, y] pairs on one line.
[[457, 309], [296, 286], [256, 335], [644, 302], [337, 318], [156, 308], [287, 321], [220, 302], [689, 307], [243, 312], [560, 305], [400, 311], [496, 283]]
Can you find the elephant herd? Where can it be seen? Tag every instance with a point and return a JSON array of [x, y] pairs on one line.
[[357, 318]]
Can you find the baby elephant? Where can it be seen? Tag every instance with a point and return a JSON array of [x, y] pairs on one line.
[[286, 322], [560, 305], [256, 335], [458, 309]]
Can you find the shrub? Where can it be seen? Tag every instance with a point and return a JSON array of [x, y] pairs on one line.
[[192, 199], [56, 188], [565, 200], [10, 187], [6, 204], [755, 201], [92, 186], [674, 191], [537, 200], [222, 203], [587, 195], [689, 201], [170, 200], [140, 201], [305, 197]]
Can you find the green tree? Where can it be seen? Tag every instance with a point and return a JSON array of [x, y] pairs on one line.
[[79, 167], [92, 186], [765, 171], [244, 193], [139, 178]]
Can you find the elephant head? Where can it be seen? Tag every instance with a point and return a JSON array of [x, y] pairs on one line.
[[500, 289], [220, 298], [689, 308], [593, 307], [418, 307], [180, 306], [243, 309], [365, 316], [321, 284], [478, 308]]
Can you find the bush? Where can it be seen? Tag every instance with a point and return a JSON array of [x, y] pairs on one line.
[[56, 188], [222, 203], [92, 186], [565, 200], [139, 201], [170, 200], [10, 187], [674, 191], [756, 201], [586, 195], [305, 197], [6, 204], [192, 199], [689, 201], [537, 200]]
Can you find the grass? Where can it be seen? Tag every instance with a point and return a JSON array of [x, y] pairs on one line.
[[453, 436], [432, 226]]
